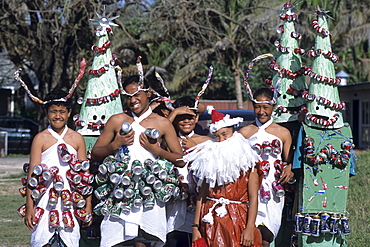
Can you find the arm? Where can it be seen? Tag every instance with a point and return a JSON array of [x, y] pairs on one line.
[[111, 140], [287, 156], [247, 238], [197, 221], [35, 159], [180, 111]]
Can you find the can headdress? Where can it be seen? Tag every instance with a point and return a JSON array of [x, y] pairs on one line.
[[140, 83], [64, 99], [248, 88]]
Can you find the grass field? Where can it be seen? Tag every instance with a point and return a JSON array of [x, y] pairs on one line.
[[14, 233]]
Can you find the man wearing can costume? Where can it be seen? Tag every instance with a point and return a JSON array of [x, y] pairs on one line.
[[139, 223], [273, 144], [44, 150], [180, 213], [227, 204]]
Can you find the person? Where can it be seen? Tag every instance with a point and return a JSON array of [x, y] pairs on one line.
[[180, 213], [273, 144], [44, 150], [227, 171], [139, 227]]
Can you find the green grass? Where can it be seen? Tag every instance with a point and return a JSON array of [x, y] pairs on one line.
[[14, 233], [358, 204]]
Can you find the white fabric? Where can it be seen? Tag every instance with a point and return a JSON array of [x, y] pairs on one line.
[[220, 163], [42, 233], [269, 213], [225, 122], [153, 221]]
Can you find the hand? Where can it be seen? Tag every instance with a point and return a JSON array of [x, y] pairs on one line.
[[247, 237], [28, 220], [286, 174], [88, 209], [196, 234], [125, 140], [187, 142], [149, 144]]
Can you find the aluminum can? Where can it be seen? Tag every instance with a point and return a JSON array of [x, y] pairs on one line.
[[144, 189], [118, 192], [54, 170], [85, 165], [166, 165], [33, 182], [315, 226], [307, 225], [294, 240], [67, 219], [54, 219], [39, 212], [266, 148], [149, 201], [65, 195], [157, 185], [334, 224], [26, 167], [38, 192], [125, 128], [138, 200], [75, 164], [257, 148], [53, 197], [115, 178], [73, 176], [265, 167], [171, 179], [22, 211], [129, 191], [103, 191], [117, 167], [78, 199], [87, 177], [344, 222], [101, 178], [152, 133], [162, 174], [299, 220], [116, 209], [165, 193], [136, 167], [98, 207], [64, 154], [82, 214], [107, 206], [126, 178], [265, 194], [148, 176], [58, 183], [46, 175], [324, 224], [152, 166], [38, 169], [126, 205], [23, 191], [82, 188], [103, 168], [278, 189]]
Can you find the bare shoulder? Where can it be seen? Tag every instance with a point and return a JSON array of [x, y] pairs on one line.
[[200, 138], [119, 119], [280, 131], [248, 131]]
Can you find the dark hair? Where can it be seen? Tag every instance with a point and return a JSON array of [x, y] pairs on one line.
[[184, 101], [264, 91], [54, 96], [134, 79]]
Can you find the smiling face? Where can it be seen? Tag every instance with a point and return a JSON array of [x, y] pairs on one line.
[[223, 134], [185, 123], [58, 116], [138, 102], [263, 111]]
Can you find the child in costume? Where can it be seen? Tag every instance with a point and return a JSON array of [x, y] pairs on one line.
[[272, 143], [45, 150], [226, 171], [180, 213], [140, 226]]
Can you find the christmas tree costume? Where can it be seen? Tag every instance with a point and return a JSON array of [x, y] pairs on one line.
[[40, 236], [269, 211], [225, 166]]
